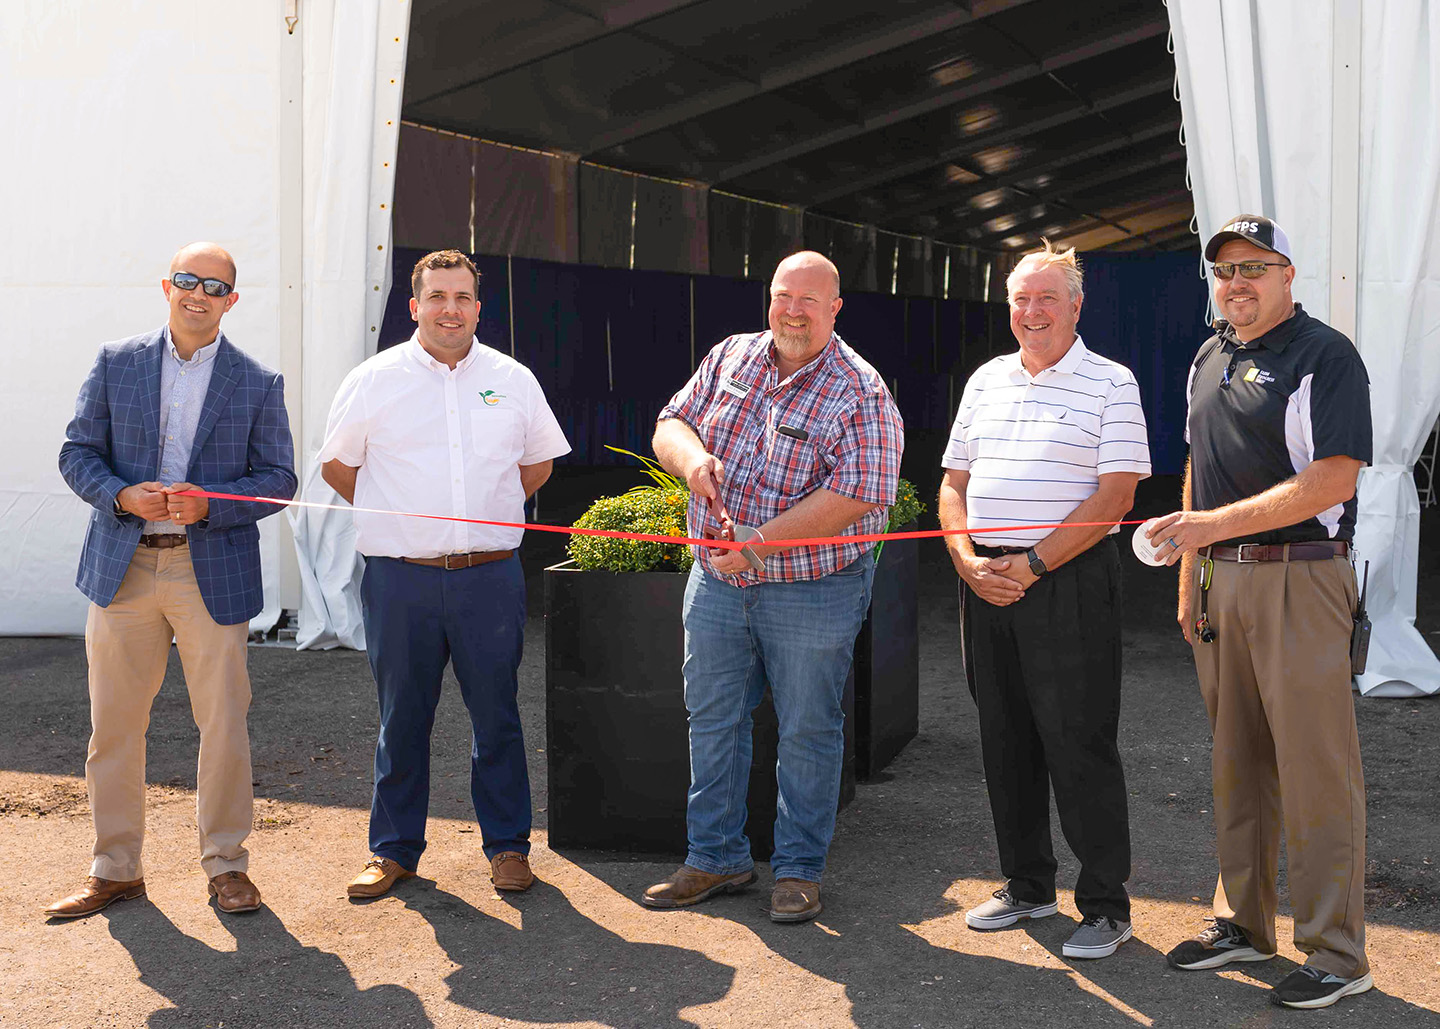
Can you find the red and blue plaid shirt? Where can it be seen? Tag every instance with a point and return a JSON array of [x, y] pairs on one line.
[[851, 437]]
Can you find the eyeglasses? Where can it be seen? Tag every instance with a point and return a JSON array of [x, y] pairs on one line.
[[1225, 270], [213, 287]]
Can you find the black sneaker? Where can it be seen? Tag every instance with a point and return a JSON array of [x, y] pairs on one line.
[[1219, 944], [1308, 987]]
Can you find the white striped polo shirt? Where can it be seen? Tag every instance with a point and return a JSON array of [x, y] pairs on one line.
[[1036, 446]]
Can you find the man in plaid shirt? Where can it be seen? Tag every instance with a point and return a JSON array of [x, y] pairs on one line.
[[792, 433]]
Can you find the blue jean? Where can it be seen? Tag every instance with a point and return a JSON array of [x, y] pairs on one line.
[[799, 637], [418, 619]]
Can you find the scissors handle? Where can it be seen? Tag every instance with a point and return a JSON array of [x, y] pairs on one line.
[[718, 512]]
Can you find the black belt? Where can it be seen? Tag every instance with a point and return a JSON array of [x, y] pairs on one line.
[[1250, 553], [985, 551], [164, 540]]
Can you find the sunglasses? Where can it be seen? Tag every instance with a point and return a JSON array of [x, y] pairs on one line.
[[213, 287], [1225, 270]]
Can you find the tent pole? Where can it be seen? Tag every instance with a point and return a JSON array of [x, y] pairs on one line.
[[290, 217]]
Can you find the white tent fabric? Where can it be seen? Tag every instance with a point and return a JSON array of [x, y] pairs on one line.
[[116, 160], [1256, 84], [133, 128], [354, 71]]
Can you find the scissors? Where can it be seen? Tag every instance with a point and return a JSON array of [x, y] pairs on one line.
[[737, 533]]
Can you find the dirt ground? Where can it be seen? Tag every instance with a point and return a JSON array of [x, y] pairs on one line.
[[911, 853]]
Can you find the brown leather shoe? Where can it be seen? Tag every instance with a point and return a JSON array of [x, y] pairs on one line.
[[97, 894], [510, 870], [690, 886], [377, 877], [795, 900], [234, 892]]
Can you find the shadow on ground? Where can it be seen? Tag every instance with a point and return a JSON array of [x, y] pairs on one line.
[[255, 984]]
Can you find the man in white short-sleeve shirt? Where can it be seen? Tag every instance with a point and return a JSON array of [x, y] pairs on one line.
[[442, 425], [1049, 434]]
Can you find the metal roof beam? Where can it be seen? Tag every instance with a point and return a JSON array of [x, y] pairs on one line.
[[841, 188], [1103, 43], [522, 52], [1078, 225], [964, 194], [1062, 190], [1158, 235], [847, 53]]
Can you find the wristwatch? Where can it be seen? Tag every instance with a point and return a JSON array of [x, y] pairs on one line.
[[1037, 566]]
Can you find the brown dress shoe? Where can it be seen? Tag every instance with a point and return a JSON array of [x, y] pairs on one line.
[[97, 894], [376, 878], [511, 871], [690, 886], [795, 900], [234, 892]]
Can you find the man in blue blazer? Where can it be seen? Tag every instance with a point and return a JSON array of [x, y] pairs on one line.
[[160, 413]]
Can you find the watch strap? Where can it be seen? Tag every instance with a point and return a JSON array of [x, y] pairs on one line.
[[1037, 566]]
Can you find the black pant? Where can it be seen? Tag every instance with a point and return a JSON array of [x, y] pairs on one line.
[[1045, 675]]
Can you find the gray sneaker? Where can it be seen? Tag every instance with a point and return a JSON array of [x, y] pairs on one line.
[[1002, 910], [1096, 937]]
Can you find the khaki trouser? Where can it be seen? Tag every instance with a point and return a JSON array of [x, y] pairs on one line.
[[128, 644], [1276, 683]]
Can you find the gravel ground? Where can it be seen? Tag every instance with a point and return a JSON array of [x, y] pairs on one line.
[[911, 854]]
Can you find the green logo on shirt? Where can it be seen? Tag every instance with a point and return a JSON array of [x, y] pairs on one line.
[[490, 397]]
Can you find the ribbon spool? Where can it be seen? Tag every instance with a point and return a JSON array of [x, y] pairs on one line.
[[1149, 553]]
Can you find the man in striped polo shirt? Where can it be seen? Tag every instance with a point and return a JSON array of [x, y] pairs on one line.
[[1049, 434]]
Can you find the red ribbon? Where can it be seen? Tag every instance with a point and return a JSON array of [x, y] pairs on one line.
[[721, 544]]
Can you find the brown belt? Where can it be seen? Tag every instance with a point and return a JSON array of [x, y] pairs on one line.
[[454, 562], [164, 540], [1249, 553]]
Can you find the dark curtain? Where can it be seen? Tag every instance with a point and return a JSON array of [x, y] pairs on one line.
[[874, 324], [607, 198], [724, 307], [850, 246], [434, 173], [672, 230], [524, 203], [610, 346], [748, 239], [1147, 311]]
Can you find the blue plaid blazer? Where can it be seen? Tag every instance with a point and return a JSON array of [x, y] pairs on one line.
[[242, 445]]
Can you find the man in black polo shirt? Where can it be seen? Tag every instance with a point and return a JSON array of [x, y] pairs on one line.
[[1279, 427]]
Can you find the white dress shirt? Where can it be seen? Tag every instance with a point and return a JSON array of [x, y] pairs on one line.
[[435, 440]]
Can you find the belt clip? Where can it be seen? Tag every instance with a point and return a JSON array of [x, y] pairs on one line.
[[455, 568], [1241, 559], [1207, 571]]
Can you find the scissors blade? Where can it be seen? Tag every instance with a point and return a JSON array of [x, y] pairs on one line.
[[745, 534]]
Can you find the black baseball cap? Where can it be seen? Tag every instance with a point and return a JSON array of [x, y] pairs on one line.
[[1252, 228]]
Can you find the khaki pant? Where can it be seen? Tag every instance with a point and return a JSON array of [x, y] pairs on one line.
[[1276, 683], [128, 644]]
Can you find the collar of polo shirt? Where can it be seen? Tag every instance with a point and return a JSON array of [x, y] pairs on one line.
[[1065, 366], [1278, 338]]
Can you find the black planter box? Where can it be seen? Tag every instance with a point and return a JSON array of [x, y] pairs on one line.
[[617, 749], [887, 660]]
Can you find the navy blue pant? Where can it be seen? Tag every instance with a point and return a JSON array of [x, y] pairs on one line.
[[417, 619]]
